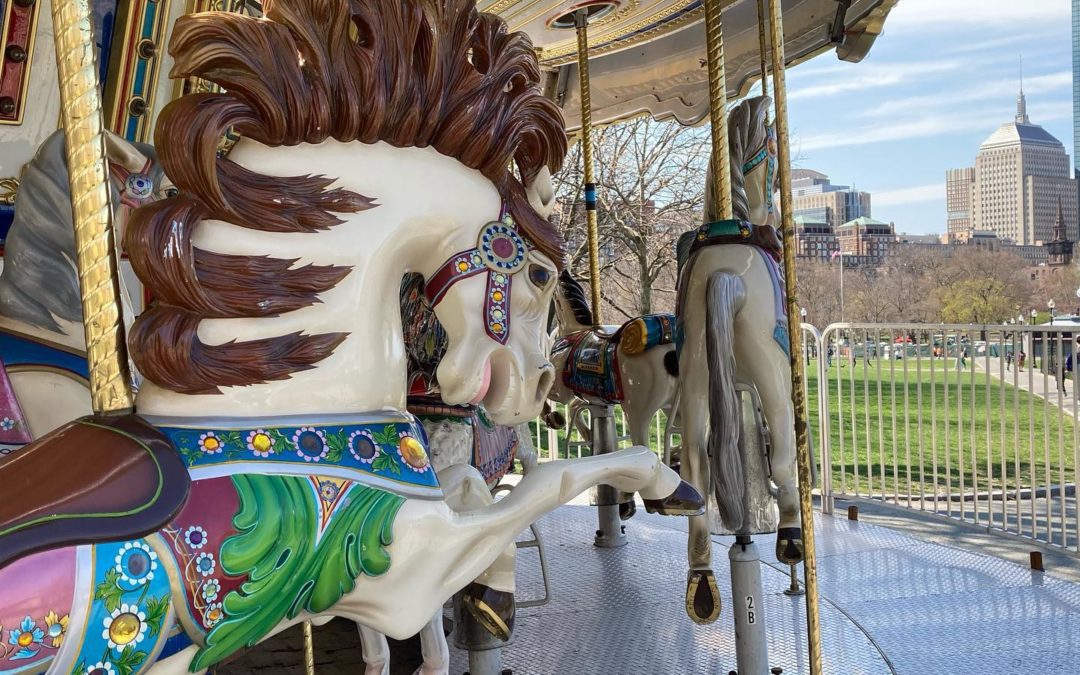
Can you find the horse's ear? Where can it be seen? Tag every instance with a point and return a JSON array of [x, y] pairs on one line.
[[541, 193], [122, 153]]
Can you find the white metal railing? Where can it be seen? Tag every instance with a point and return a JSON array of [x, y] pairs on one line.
[[935, 417], [941, 418]]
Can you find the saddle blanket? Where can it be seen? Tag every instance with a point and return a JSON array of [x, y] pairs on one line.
[[591, 368]]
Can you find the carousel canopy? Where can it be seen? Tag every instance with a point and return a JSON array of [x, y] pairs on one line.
[[648, 56]]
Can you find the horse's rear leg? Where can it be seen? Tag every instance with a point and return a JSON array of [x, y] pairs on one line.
[[768, 369], [376, 651], [702, 593]]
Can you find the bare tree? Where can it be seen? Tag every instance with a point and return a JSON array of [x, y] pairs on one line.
[[650, 180]]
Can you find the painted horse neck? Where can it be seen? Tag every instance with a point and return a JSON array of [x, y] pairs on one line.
[[433, 213]]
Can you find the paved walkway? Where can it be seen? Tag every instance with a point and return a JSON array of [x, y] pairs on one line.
[[891, 602], [1042, 387]]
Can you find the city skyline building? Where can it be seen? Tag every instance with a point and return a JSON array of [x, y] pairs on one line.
[[814, 197], [1021, 173], [1076, 84]]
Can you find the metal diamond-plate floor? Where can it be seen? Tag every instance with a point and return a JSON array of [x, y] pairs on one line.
[[890, 603]]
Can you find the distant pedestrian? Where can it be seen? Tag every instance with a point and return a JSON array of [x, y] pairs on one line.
[[1022, 361], [1008, 360], [828, 357]]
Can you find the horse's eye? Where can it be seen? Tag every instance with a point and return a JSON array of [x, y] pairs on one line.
[[539, 275], [171, 192]]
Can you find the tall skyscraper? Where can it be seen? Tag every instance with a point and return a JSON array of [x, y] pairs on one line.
[[1020, 175], [1076, 82]]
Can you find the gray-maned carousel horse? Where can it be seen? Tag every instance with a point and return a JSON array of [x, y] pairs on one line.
[[732, 316], [42, 343]]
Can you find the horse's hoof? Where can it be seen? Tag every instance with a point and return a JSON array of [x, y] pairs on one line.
[[627, 510], [702, 597], [493, 609], [789, 545], [685, 501]]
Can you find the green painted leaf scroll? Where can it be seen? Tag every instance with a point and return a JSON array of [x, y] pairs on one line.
[[286, 570]]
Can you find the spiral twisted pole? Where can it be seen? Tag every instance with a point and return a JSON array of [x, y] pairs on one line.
[[110, 383], [763, 46], [581, 22], [798, 375], [714, 53]]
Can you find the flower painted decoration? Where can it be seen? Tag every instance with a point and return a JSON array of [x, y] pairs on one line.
[[412, 453], [310, 444], [101, 668], [260, 443], [363, 447], [25, 637], [7, 424], [136, 563], [210, 589], [205, 564], [126, 626], [210, 443], [213, 614], [195, 537], [328, 490], [55, 628]]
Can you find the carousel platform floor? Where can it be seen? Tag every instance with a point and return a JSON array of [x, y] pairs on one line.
[[890, 603]]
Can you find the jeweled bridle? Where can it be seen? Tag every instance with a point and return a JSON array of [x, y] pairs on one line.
[[500, 252]]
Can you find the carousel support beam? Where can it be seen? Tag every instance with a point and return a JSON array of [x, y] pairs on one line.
[[80, 105], [721, 167], [581, 21], [798, 375], [610, 532]]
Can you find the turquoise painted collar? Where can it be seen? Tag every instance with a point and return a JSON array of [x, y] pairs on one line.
[[391, 451]]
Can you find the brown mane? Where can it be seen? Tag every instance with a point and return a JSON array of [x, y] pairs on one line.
[[408, 72]]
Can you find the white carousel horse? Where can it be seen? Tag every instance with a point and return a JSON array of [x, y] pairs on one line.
[[734, 330], [42, 343], [633, 364], [271, 475], [457, 435]]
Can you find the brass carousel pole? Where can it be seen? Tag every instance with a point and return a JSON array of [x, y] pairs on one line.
[[763, 46], [80, 105], [721, 162], [581, 22], [798, 375]]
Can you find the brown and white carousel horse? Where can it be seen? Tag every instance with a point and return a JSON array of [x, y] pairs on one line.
[[270, 474], [734, 335], [633, 365]]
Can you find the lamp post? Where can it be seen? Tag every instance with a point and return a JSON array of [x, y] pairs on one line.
[[1050, 304], [1034, 314], [841, 254]]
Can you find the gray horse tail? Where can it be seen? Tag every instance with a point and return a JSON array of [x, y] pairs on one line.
[[722, 297]]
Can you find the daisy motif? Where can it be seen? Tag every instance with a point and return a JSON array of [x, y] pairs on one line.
[[205, 564], [7, 424], [55, 628], [213, 614], [25, 637], [260, 443], [310, 444], [126, 626], [210, 589], [101, 668], [363, 447], [195, 537], [210, 443], [136, 563], [412, 452]]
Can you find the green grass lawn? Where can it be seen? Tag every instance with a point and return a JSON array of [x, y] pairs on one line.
[[975, 431]]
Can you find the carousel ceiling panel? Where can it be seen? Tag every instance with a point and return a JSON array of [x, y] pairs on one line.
[[648, 56]]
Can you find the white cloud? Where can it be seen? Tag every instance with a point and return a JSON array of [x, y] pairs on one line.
[[920, 127], [1050, 83], [871, 75], [911, 195], [958, 16]]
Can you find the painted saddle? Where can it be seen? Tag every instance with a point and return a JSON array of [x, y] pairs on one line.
[[591, 367]]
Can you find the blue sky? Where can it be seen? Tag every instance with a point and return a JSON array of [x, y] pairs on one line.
[[940, 79]]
